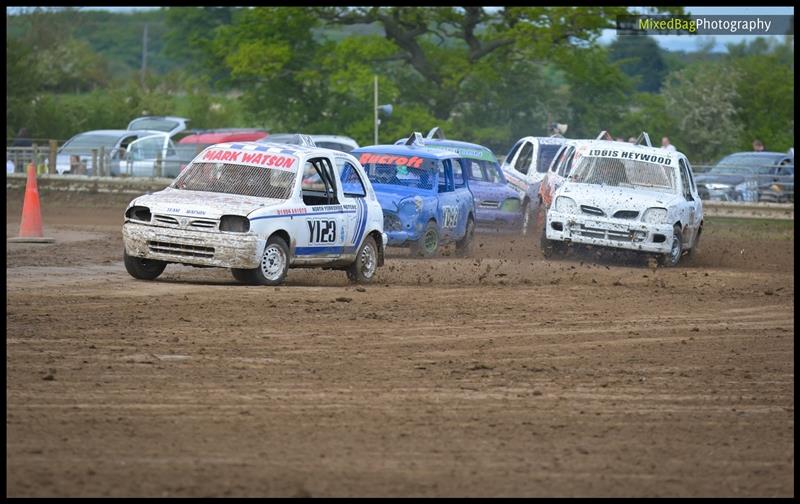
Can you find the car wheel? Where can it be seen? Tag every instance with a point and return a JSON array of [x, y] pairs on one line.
[[274, 263], [465, 245], [428, 244], [526, 218], [366, 263], [550, 247], [143, 269], [673, 257], [692, 252]]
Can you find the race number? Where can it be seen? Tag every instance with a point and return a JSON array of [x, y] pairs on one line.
[[321, 231], [450, 216]]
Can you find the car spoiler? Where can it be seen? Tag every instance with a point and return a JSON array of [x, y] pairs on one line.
[[435, 132], [415, 138], [604, 135], [643, 136]]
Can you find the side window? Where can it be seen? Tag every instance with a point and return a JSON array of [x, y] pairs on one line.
[[565, 167], [445, 177], [687, 194], [558, 159], [475, 171], [319, 185], [688, 167], [458, 175], [513, 151], [352, 185], [523, 163]]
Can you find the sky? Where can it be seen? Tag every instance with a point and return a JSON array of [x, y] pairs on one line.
[[668, 42]]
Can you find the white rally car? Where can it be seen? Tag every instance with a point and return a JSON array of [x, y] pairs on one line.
[[628, 196], [260, 208]]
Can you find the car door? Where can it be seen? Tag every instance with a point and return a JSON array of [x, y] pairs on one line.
[[447, 210], [141, 155], [321, 238], [353, 196], [517, 171], [464, 198], [691, 201]]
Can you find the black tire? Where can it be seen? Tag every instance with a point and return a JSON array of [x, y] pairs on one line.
[[549, 248], [245, 276], [428, 244], [274, 265], [465, 246], [673, 257], [143, 269], [692, 252], [525, 225], [366, 264]]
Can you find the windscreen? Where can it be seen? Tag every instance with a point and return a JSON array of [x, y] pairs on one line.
[[389, 169], [257, 181], [617, 172]]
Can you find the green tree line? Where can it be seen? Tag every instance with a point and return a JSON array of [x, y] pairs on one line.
[[487, 75]]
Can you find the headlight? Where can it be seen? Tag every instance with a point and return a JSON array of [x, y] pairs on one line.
[[566, 205], [511, 205], [410, 206], [718, 187], [655, 215], [234, 223], [139, 213]]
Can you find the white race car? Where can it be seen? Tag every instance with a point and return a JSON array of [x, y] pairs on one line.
[[628, 196], [260, 208]]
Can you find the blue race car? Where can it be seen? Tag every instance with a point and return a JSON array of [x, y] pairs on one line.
[[424, 195], [497, 205]]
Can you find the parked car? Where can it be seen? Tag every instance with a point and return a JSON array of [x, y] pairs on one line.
[[335, 142], [628, 196], [497, 205], [143, 155], [525, 165], [749, 176], [75, 156], [259, 209], [166, 124], [425, 197]]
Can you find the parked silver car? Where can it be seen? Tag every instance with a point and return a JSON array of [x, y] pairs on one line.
[[75, 156]]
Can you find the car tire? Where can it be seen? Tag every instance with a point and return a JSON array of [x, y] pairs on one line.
[[549, 248], [245, 276], [428, 244], [274, 264], [673, 257], [366, 264], [525, 225], [143, 269], [464, 247], [692, 252]]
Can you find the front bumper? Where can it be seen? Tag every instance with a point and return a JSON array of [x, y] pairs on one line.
[[605, 232], [224, 250]]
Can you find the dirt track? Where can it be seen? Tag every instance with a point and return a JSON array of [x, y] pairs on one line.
[[500, 375]]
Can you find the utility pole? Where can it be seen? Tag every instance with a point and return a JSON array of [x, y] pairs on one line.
[[144, 53], [377, 121]]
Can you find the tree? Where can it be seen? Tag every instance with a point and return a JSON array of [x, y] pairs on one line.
[[701, 100], [641, 58]]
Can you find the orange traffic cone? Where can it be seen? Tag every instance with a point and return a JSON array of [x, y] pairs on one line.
[[30, 229]]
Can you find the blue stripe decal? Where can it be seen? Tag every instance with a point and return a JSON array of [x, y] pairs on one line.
[[317, 250], [262, 149], [357, 221], [236, 146], [309, 214], [363, 223], [287, 151]]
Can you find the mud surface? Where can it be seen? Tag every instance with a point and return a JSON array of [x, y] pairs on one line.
[[499, 375]]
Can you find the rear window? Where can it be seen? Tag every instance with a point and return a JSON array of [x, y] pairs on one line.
[[165, 125]]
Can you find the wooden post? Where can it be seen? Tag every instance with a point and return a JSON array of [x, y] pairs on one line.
[[158, 165], [53, 157], [35, 158], [101, 169], [94, 158]]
